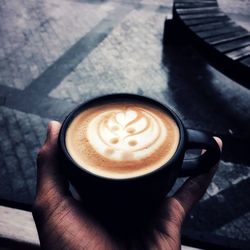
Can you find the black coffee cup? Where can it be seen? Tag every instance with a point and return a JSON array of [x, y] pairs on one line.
[[131, 194]]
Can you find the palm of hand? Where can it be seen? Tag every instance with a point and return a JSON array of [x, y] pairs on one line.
[[69, 226]]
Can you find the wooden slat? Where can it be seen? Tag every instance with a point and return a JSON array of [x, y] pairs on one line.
[[18, 225], [239, 53], [246, 61], [198, 10], [192, 1], [221, 31], [233, 44], [204, 15], [189, 248], [226, 37], [194, 22], [232, 38], [211, 26], [194, 5]]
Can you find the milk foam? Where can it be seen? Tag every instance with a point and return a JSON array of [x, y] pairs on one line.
[[122, 140], [131, 134]]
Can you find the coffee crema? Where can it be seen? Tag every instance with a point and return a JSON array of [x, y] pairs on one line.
[[122, 140]]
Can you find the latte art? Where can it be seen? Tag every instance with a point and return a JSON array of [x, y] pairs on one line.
[[121, 139], [130, 133]]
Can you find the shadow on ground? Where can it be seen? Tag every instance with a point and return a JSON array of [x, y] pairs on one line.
[[205, 98]]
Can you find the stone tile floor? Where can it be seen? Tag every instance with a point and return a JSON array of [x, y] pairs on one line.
[[57, 54]]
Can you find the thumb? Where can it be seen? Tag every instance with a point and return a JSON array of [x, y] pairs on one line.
[[50, 179]]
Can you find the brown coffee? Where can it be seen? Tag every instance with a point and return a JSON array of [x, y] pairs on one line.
[[122, 140]]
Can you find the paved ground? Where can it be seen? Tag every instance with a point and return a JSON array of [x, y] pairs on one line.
[[57, 54], [239, 11]]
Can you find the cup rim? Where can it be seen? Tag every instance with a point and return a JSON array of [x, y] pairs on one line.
[[135, 97]]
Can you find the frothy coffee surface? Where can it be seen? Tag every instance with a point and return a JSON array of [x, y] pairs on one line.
[[122, 140]]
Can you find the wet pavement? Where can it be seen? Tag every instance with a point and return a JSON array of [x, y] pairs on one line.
[[57, 54], [239, 11]]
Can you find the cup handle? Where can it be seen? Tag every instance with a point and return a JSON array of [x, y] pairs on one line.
[[201, 164]]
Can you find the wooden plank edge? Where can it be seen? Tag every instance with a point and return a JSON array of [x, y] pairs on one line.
[[17, 227]]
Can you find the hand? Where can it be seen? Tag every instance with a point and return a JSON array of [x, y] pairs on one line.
[[63, 223]]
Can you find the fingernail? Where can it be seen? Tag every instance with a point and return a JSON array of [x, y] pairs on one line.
[[219, 142]]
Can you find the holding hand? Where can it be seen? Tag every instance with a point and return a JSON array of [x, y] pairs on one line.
[[63, 223]]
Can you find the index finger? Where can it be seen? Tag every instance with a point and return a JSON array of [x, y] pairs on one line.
[[195, 187]]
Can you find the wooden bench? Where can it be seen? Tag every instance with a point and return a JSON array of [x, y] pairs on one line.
[[17, 229], [224, 42]]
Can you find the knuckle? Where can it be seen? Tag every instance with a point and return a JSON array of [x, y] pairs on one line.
[[50, 126], [45, 148], [198, 186], [177, 211], [38, 206], [42, 152]]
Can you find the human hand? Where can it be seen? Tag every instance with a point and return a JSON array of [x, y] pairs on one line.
[[63, 223]]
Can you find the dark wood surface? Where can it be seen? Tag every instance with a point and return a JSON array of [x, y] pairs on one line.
[[227, 29], [233, 44], [195, 10], [211, 26], [192, 22], [215, 31], [246, 61], [183, 5], [202, 15], [223, 38], [239, 53]]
